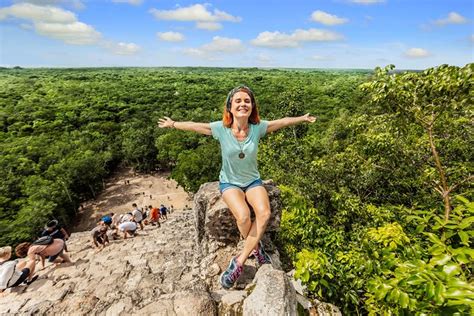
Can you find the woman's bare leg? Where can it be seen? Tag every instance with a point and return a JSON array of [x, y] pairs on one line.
[[235, 200], [258, 199]]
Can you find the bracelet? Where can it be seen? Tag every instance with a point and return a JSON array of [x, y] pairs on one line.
[[172, 125]]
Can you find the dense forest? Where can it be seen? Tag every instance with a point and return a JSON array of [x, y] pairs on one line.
[[377, 193]]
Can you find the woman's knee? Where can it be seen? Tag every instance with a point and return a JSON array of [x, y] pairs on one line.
[[242, 218], [263, 215]]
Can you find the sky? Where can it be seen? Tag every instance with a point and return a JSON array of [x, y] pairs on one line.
[[355, 34]]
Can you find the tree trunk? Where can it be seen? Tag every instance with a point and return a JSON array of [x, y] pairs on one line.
[[444, 184]]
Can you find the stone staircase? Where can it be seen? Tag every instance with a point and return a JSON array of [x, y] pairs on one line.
[[125, 276]]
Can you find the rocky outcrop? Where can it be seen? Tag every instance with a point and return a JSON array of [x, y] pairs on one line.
[[167, 270]]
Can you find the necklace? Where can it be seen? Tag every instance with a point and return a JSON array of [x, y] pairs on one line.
[[241, 155]]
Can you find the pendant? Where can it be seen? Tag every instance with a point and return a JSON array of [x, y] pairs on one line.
[[241, 155]]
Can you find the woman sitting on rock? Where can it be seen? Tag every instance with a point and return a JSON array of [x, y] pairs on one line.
[[239, 133]]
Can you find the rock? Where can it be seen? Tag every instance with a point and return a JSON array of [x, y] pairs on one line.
[[214, 221], [272, 295], [194, 303], [231, 303], [324, 309], [167, 270]]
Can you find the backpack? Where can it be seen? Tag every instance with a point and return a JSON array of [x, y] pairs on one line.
[[45, 240], [7, 270]]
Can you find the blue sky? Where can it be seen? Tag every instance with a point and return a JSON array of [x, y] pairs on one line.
[[304, 34]]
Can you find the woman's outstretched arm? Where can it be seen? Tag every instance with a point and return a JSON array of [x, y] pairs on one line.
[[201, 128], [288, 121]]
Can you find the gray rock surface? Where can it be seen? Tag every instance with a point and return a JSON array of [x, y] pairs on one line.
[[272, 295], [168, 270]]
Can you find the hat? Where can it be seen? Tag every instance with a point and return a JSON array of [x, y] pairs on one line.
[[5, 253], [51, 224]]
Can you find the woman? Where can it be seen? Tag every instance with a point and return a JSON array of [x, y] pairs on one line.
[[14, 272], [239, 181], [51, 251]]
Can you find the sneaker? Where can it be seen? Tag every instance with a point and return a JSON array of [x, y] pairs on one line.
[[261, 256], [229, 276]]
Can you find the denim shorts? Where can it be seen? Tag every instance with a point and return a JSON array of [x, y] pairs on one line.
[[224, 186]]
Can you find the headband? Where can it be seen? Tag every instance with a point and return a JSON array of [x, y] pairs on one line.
[[228, 101]]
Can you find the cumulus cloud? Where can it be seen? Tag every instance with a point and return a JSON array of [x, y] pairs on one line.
[[132, 2], [320, 58], [219, 45], [76, 4], [367, 2], [63, 25], [76, 33], [170, 36], [326, 18], [210, 26], [121, 48], [281, 40], [198, 13], [417, 53], [37, 13], [452, 18], [53, 22]]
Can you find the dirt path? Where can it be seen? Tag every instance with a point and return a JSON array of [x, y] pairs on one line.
[[124, 188]]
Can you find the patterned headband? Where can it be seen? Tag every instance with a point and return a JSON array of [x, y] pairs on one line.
[[228, 101]]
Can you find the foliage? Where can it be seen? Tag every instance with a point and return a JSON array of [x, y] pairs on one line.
[[369, 222]]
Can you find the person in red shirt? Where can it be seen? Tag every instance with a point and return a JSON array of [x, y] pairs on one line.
[[154, 216]]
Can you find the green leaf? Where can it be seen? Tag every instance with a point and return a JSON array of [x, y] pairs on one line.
[[382, 291], [451, 269], [464, 238], [440, 260], [404, 300], [430, 289], [439, 291], [434, 239], [394, 295]]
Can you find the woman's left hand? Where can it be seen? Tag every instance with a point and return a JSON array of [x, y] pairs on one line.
[[309, 118]]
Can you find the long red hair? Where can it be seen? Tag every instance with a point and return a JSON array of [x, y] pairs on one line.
[[228, 118]]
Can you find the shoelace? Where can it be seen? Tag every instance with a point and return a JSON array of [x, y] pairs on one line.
[[235, 274], [261, 257]]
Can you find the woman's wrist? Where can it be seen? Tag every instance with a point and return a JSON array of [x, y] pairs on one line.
[[172, 124]]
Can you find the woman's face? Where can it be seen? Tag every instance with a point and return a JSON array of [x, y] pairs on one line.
[[241, 105]]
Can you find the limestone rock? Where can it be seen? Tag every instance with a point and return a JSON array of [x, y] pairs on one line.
[[214, 221], [272, 295], [167, 270]]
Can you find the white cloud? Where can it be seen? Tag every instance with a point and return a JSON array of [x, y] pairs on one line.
[[37, 13], [76, 33], [265, 59], [210, 26], [170, 36], [76, 4], [280, 40], [53, 22], [367, 2], [320, 58], [326, 18], [472, 38], [198, 13], [63, 25], [417, 53], [123, 48], [453, 18], [132, 2], [219, 45]]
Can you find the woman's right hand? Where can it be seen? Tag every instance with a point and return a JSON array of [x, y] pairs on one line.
[[165, 122]]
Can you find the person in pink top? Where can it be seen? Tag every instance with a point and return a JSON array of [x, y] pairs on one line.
[[51, 251]]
